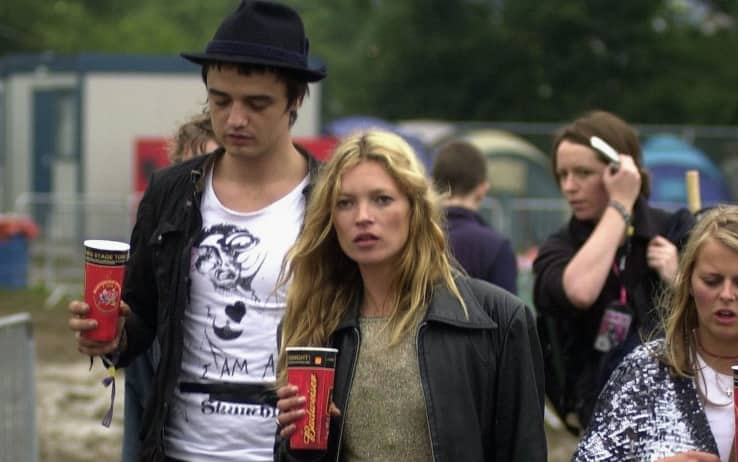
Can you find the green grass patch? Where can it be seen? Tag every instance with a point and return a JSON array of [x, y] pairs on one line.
[[54, 341]]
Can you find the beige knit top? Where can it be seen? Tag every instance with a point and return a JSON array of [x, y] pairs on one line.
[[385, 418]]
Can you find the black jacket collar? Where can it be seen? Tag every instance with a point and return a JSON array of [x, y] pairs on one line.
[[202, 164], [444, 308]]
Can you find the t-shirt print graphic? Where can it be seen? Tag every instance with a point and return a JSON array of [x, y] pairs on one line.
[[230, 257]]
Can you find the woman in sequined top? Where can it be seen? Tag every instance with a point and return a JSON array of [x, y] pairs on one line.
[[672, 399]]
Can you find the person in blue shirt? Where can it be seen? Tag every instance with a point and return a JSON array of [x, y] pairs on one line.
[[460, 170]]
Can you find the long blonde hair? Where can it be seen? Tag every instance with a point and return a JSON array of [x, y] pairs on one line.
[[680, 318], [324, 282], [191, 137]]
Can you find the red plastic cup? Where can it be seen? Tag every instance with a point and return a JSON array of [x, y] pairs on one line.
[[312, 370], [104, 269]]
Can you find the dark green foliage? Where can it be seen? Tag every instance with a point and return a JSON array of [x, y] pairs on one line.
[[527, 60]]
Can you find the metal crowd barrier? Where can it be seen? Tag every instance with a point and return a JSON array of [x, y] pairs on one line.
[[526, 221], [18, 431], [66, 220]]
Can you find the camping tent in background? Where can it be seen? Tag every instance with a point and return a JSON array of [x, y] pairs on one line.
[[516, 167], [521, 182], [667, 157], [427, 130], [348, 125]]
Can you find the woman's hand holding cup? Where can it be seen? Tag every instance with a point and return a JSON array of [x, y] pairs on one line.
[[291, 408]]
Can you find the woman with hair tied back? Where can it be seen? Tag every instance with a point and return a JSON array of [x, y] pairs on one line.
[[672, 398], [596, 279], [432, 365]]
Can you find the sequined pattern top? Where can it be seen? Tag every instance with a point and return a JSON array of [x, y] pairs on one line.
[[644, 413]]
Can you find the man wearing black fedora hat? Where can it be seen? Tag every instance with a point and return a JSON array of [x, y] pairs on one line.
[[208, 245]]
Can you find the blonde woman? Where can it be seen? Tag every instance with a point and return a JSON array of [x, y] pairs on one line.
[[672, 399], [192, 138], [432, 365]]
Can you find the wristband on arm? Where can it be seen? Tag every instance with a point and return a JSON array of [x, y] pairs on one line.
[[627, 218]]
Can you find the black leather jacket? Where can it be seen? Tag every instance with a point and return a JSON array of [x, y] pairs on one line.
[[157, 280], [482, 377]]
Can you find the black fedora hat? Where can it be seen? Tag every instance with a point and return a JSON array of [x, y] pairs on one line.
[[262, 33]]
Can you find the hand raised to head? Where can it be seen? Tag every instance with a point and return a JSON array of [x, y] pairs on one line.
[[624, 185]]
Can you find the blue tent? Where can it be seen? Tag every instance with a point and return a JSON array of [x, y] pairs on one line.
[[668, 157], [347, 125]]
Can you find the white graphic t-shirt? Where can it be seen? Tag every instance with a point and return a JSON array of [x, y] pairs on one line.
[[230, 329]]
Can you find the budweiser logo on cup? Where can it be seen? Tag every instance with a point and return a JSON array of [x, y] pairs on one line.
[[104, 269], [312, 370]]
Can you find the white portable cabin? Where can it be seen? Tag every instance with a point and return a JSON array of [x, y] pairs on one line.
[[69, 124]]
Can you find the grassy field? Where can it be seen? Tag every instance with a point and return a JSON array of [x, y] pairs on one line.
[[54, 341]]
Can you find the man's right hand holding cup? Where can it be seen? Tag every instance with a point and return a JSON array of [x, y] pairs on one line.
[[80, 323]]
